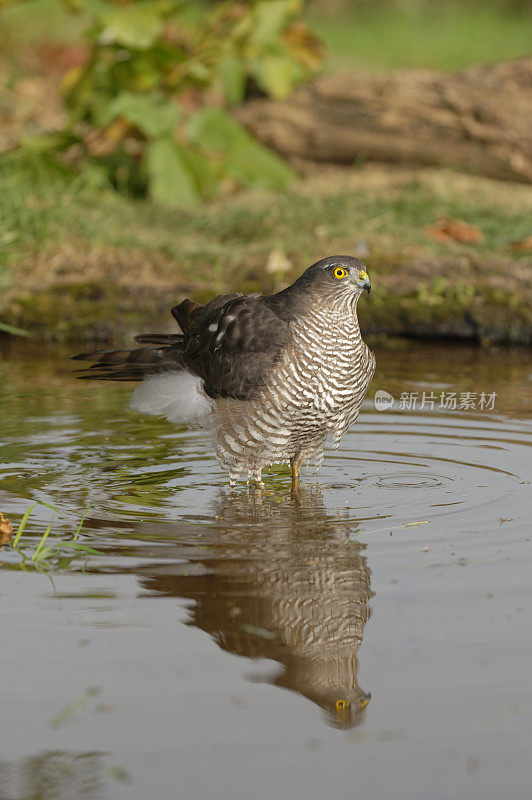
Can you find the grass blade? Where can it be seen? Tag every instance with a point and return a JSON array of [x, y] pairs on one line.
[[53, 508], [82, 548], [82, 520], [44, 538], [73, 708], [13, 330], [22, 524], [42, 554]]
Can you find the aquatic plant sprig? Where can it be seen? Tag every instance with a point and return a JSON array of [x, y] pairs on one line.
[[354, 536], [52, 556]]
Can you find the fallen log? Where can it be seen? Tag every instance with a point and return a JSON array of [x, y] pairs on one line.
[[478, 120]]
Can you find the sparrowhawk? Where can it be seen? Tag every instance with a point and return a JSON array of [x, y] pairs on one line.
[[271, 375]]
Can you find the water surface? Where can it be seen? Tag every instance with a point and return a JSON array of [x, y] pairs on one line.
[[369, 637]]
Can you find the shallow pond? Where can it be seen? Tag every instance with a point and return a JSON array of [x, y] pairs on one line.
[[370, 637]]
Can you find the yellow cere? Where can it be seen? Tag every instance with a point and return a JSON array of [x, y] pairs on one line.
[[363, 275]]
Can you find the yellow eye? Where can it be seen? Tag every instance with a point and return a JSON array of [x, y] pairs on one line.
[[340, 272], [341, 705]]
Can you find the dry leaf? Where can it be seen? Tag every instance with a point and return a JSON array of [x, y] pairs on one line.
[[103, 142], [277, 263], [523, 246], [455, 230], [6, 530], [305, 47]]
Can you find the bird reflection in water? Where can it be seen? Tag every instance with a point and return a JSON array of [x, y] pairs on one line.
[[278, 578]]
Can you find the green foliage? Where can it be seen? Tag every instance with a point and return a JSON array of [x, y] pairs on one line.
[[150, 103], [56, 556], [13, 330]]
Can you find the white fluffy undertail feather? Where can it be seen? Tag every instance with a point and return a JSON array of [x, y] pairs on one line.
[[178, 396]]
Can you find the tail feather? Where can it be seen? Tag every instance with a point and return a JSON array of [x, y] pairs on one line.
[[159, 338], [135, 364]]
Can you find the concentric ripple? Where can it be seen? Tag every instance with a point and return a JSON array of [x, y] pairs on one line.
[[70, 444], [411, 480], [364, 569], [433, 466]]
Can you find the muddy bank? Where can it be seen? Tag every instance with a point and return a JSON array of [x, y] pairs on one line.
[[418, 296]]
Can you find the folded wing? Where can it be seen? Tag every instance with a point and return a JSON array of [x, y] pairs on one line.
[[233, 346]]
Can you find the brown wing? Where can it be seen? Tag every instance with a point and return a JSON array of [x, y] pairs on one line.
[[231, 343], [234, 345], [136, 363], [187, 311]]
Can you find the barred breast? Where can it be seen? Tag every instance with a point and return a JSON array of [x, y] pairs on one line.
[[315, 391]]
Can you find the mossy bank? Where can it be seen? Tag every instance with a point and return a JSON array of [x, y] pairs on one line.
[[80, 262]]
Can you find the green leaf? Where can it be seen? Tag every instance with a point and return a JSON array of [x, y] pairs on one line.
[[150, 114], [171, 180], [243, 158], [137, 25], [13, 330], [47, 142], [254, 165], [213, 129], [207, 172], [277, 74], [198, 71], [233, 79], [271, 17]]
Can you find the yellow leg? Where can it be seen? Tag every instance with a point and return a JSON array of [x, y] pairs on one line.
[[295, 466]]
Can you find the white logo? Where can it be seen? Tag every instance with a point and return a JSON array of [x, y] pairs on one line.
[[383, 400]]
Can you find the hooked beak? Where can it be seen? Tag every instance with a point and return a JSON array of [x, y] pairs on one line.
[[364, 282]]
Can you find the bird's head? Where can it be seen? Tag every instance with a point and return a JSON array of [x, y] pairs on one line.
[[337, 277]]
